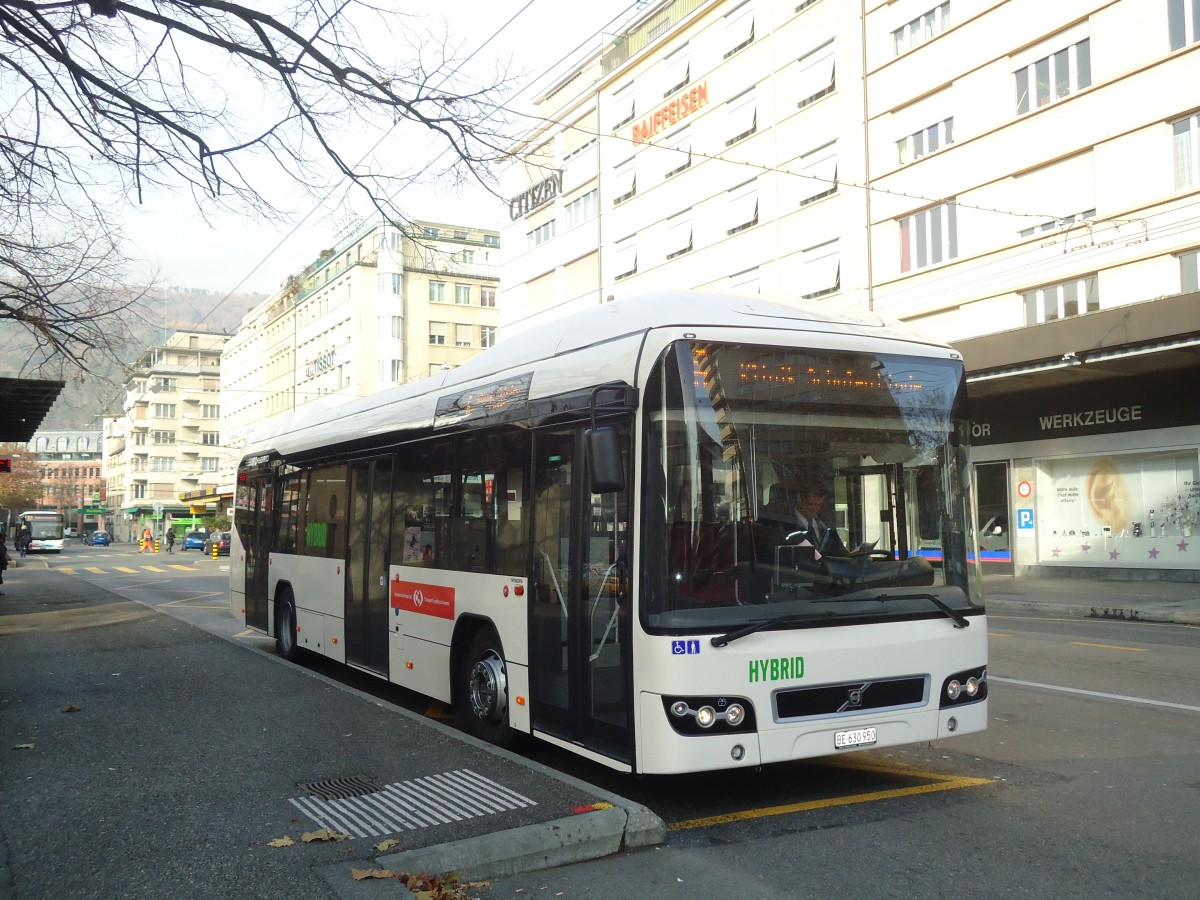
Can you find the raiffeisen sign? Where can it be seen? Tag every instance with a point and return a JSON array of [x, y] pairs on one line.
[[678, 108]]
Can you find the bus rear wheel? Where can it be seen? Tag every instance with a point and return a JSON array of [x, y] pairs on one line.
[[286, 645], [481, 702]]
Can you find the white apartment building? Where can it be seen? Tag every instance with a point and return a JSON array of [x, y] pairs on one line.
[[385, 306], [165, 464], [1016, 177]]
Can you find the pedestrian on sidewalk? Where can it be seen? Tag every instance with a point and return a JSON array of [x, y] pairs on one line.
[[3, 558], [147, 538], [171, 541]]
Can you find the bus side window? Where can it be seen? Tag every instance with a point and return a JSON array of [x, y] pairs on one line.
[[289, 515], [324, 534], [489, 533], [421, 499]]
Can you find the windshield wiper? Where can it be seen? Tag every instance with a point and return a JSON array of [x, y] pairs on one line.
[[761, 624], [960, 621]]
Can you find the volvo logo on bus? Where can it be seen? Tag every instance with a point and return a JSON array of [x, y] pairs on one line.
[[855, 698]]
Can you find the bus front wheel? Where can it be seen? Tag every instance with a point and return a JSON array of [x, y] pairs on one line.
[[286, 645], [481, 704]]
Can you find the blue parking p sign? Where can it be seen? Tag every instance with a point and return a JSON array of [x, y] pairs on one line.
[[1024, 519]]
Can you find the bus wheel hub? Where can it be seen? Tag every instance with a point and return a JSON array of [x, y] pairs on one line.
[[488, 689]]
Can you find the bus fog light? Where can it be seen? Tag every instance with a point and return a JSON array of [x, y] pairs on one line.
[[972, 686], [952, 724], [738, 753], [953, 689], [735, 715], [706, 716], [679, 709]]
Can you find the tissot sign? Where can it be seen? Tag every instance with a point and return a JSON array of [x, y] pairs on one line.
[[321, 363], [536, 197]]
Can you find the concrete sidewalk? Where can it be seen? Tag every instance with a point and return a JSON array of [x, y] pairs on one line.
[[1142, 601]]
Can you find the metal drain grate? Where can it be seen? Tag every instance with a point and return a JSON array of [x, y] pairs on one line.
[[410, 805], [342, 788]]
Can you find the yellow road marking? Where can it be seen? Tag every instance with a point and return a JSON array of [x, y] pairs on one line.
[[249, 632], [67, 570], [153, 569], [939, 783], [94, 569], [998, 634], [1107, 646], [126, 570], [181, 568]]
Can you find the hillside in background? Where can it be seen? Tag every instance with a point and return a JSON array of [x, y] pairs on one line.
[[171, 309]]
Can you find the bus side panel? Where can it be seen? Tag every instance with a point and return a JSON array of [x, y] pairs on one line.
[[319, 589], [237, 576]]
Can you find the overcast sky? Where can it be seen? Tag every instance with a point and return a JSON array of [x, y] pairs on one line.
[[231, 253]]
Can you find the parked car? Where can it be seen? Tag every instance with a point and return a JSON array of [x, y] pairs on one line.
[[194, 540], [100, 539], [220, 540]]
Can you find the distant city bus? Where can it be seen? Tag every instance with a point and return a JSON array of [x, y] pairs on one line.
[[46, 529], [589, 534]]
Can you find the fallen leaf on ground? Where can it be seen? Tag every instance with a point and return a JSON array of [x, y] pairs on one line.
[[284, 841], [387, 845], [71, 707], [323, 834], [363, 874], [22, 746]]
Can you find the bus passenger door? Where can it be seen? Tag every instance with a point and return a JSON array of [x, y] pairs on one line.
[[580, 659], [370, 522], [257, 545]]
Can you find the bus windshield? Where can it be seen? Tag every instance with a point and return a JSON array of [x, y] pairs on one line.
[[801, 487]]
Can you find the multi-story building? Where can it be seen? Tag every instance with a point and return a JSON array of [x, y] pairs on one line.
[[70, 465], [165, 462], [1013, 176], [385, 306]]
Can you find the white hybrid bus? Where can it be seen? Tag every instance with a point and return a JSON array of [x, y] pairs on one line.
[[588, 534], [46, 530]]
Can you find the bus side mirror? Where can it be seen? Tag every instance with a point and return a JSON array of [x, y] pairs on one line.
[[605, 469]]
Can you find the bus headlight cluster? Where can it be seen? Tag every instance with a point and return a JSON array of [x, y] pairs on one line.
[[709, 715], [964, 687]]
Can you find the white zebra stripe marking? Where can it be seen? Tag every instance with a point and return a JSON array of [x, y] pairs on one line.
[[410, 805]]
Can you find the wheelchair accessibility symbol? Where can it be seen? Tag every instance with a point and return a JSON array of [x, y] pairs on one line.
[[684, 648]]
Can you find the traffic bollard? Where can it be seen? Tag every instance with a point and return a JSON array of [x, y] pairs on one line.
[[156, 545], [214, 551]]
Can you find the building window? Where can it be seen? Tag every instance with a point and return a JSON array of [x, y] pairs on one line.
[[165, 384], [389, 282], [679, 155], [1187, 152], [742, 203], [822, 271], [1054, 77], [209, 464], [928, 237], [139, 491], [739, 29], [210, 411], [582, 208], [463, 335], [541, 234], [921, 29], [741, 115], [139, 439], [429, 232], [816, 75], [926, 141], [162, 464], [390, 370], [492, 240], [624, 109], [210, 438], [164, 410], [624, 184], [393, 327], [163, 437], [487, 297], [625, 263], [819, 168], [437, 292], [1054, 224], [437, 333], [468, 256], [462, 294], [1183, 22], [678, 70], [487, 336], [1062, 300], [744, 282], [1189, 280], [679, 234]]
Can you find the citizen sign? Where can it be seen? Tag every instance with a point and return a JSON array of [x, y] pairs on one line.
[[537, 196], [321, 364]]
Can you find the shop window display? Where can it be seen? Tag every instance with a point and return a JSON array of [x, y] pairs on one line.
[[1120, 510]]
